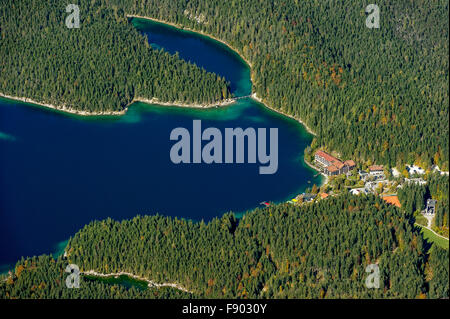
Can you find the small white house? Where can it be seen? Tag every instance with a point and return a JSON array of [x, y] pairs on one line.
[[395, 172], [363, 175], [358, 191], [431, 207], [376, 171], [413, 169], [418, 181]]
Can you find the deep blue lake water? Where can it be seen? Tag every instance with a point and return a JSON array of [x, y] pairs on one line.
[[58, 172]]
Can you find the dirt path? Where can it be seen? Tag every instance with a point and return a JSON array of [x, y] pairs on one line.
[[431, 231], [151, 284]]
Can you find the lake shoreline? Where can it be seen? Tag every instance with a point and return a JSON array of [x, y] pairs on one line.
[[308, 129], [153, 101], [325, 180], [62, 108], [156, 101], [254, 94], [181, 27]]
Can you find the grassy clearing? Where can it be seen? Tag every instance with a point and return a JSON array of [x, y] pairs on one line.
[[431, 237]]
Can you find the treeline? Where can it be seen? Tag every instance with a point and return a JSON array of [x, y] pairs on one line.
[[99, 67], [378, 95], [413, 198], [437, 273], [439, 190], [311, 251]]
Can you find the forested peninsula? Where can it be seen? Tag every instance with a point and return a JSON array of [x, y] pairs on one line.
[[100, 67], [316, 250]]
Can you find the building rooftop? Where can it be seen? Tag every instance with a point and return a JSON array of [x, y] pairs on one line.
[[338, 164], [413, 169], [431, 202], [326, 156], [308, 197], [392, 199], [374, 168], [332, 168], [350, 163]]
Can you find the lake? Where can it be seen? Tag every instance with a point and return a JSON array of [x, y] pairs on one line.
[[59, 171]]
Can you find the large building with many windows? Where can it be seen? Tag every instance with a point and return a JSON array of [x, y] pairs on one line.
[[377, 171], [330, 165]]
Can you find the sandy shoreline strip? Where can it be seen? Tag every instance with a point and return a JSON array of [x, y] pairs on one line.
[[151, 284], [179, 104], [154, 101], [62, 108]]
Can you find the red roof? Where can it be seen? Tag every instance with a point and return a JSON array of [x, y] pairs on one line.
[[350, 163], [393, 200], [332, 168], [376, 168], [326, 156], [338, 164], [323, 195]]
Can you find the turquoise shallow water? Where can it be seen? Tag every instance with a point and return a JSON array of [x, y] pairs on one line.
[[58, 172], [122, 280]]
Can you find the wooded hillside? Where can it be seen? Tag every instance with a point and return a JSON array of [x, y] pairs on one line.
[[98, 67]]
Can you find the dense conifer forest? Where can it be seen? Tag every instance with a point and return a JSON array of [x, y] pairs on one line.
[[311, 251], [99, 67]]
